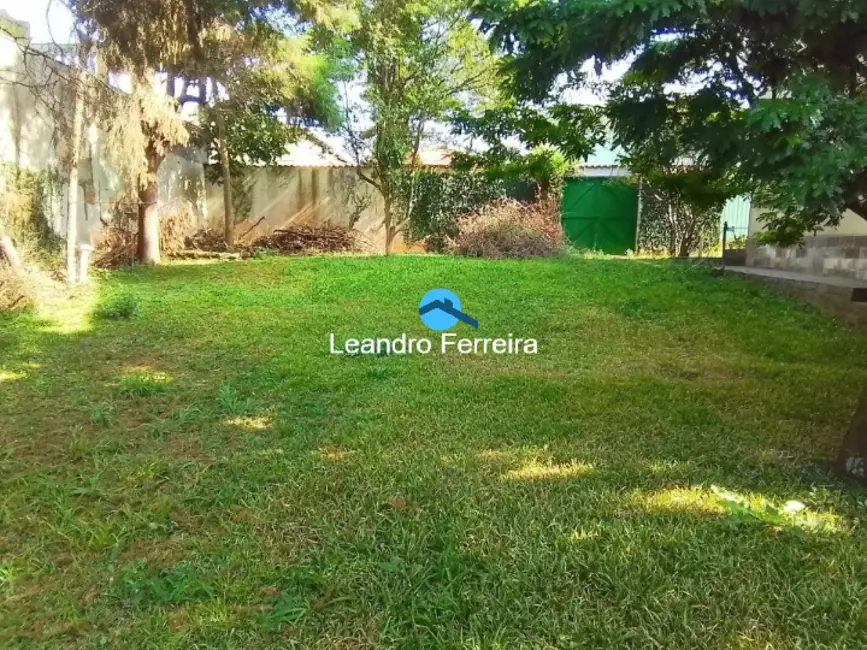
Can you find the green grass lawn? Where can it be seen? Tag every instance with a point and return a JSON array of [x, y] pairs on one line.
[[206, 475]]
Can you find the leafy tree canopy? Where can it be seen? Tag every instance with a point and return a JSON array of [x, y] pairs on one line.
[[774, 89], [540, 143], [416, 62]]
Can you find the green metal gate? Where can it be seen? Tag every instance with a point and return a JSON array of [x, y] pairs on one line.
[[600, 214]]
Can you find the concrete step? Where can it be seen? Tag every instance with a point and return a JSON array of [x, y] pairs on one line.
[[839, 297]]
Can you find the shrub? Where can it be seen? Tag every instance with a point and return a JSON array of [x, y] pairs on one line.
[[30, 202], [16, 293], [440, 198], [122, 306], [672, 224], [509, 228]]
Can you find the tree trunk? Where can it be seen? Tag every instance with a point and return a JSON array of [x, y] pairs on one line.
[[74, 160], [388, 222], [228, 208], [852, 460], [148, 211]]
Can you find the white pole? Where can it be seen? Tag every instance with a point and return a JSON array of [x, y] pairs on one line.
[[83, 262]]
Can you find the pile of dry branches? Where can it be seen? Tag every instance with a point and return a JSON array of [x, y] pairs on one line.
[[206, 240], [117, 242], [306, 239], [509, 228]]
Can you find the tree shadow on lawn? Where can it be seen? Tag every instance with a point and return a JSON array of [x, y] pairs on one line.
[[176, 477]]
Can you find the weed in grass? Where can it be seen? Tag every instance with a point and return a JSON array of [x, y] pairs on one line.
[[230, 402], [122, 306], [102, 414], [7, 576], [143, 384], [140, 585]]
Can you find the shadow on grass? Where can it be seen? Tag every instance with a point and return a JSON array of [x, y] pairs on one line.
[[206, 472]]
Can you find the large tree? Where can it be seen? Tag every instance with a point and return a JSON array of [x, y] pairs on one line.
[[415, 62], [190, 43], [267, 90], [773, 89]]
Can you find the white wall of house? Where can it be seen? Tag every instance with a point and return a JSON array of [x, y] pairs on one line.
[[850, 225], [840, 251]]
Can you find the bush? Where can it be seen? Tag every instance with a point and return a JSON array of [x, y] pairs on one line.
[[440, 198], [671, 224], [123, 306], [509, 228], [16, 292]]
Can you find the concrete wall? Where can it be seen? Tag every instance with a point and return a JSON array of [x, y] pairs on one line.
[[274, 197], [840, 251], [277, 197], [30, 86]]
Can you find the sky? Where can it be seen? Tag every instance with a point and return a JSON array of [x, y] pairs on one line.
[[49, 19]]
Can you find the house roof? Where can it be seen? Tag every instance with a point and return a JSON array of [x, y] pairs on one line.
[[306, 153], [605, 155], [435, 157]]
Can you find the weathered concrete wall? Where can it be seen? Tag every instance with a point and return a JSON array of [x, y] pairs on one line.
[[278, 197], [843, 256], [30, 138], [833, 300], [273, 197], [840, 251]]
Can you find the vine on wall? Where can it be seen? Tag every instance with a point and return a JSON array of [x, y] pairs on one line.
[[30, 201], [439, 198]]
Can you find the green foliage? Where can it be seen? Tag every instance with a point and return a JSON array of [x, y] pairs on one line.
[[673, 222], [771, 89], [418, 61], [540, 144], [440, 198], [275, 89], [121, 306]]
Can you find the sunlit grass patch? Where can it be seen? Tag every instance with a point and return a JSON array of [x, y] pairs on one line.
[[694, 499], [143, 383], [792, 513], [207, 475], [252, 423], [332, 454], [537, 470], [8, 375]]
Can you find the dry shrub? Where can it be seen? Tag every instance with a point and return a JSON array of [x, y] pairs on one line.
[[28, 287], [509, 228], [16, 293]]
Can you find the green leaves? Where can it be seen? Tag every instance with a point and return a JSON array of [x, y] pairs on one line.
[[529, 142], [766, 94]]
